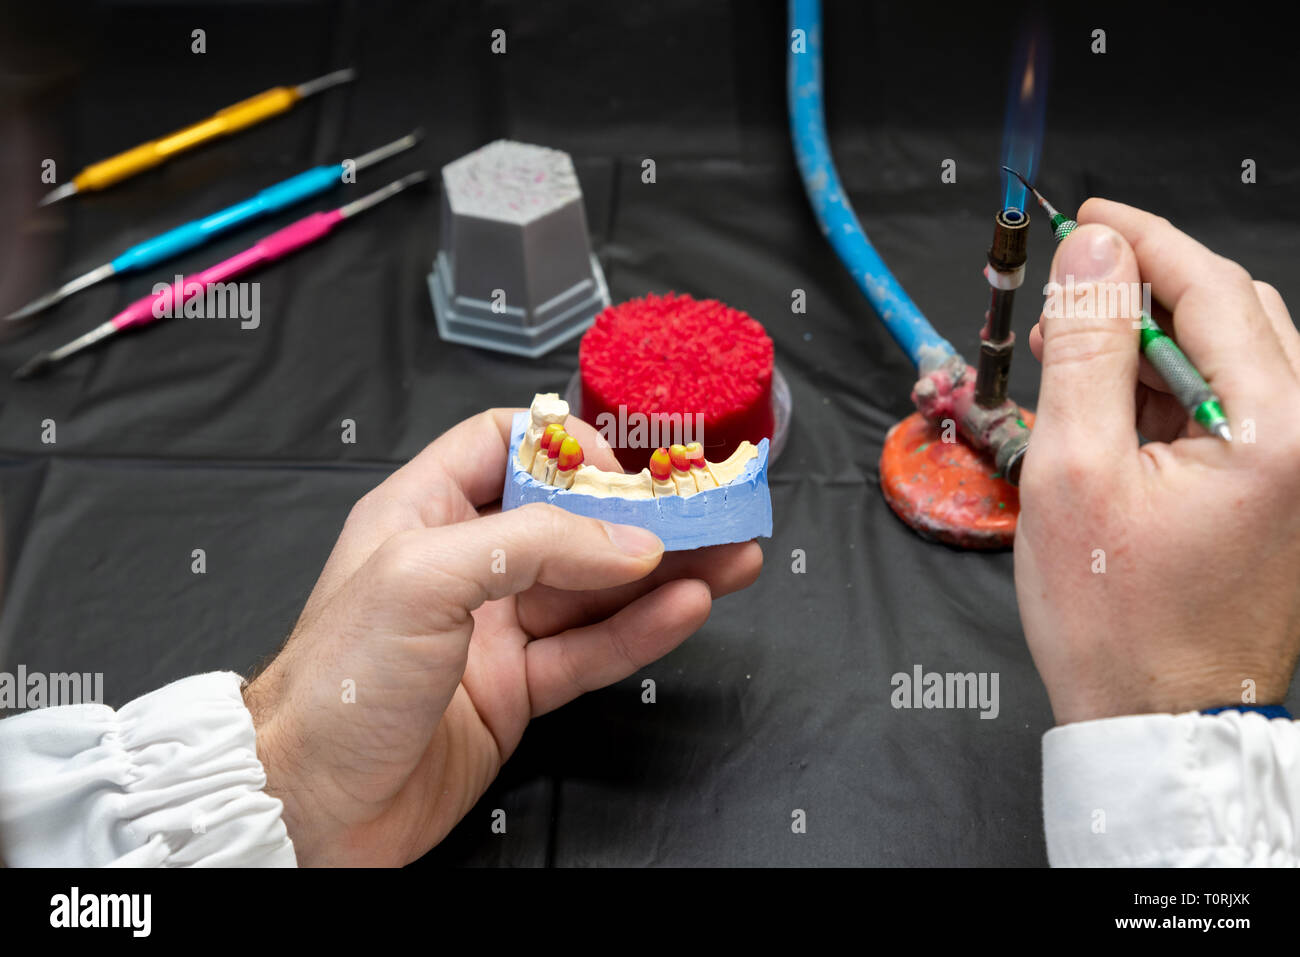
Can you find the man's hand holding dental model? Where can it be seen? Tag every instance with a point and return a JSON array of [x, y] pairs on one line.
[[457, 629], [1160, 579], [431, 638]]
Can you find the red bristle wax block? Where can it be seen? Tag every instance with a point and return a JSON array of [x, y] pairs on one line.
[[673, 355]]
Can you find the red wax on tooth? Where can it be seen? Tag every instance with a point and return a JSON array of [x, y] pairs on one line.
[[677, 456], [675, 355]]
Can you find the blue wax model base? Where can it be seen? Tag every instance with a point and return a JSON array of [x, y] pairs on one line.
[[736, 512]]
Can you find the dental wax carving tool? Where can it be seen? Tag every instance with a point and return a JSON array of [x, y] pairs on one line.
[[170, 301], [241, 115], [197, 232]]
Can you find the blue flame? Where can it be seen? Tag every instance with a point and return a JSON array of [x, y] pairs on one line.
[[1026, 112]]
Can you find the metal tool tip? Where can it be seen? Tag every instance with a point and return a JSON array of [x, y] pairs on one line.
[[1016, 174], [379, 195], [54, 195], [35, 364], [1222, 431], [32, 307], [312, 87]]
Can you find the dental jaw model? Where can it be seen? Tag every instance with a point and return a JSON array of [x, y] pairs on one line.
[[683, 498]]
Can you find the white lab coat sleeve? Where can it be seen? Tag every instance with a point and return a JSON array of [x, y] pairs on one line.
[[171, 779], [1166, 790]]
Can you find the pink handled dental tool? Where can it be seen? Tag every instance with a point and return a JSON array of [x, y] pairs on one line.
[[170, 301]]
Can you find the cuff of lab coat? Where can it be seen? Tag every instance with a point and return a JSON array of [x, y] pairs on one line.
[[1173, 790], [171, 779]]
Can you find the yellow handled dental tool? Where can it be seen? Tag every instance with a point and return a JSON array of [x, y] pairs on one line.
[[241, 115]]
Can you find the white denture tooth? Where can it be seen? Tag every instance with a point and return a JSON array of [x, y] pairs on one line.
[[547, 409]]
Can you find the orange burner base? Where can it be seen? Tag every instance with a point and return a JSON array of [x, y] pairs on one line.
[[945, 490]]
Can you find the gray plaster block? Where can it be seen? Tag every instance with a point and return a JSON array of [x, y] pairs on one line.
[[514, 271]]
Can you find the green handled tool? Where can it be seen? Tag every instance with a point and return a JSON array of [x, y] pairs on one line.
[[1187, 385]]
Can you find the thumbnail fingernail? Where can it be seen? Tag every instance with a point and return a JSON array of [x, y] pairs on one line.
[[1087, 255]]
